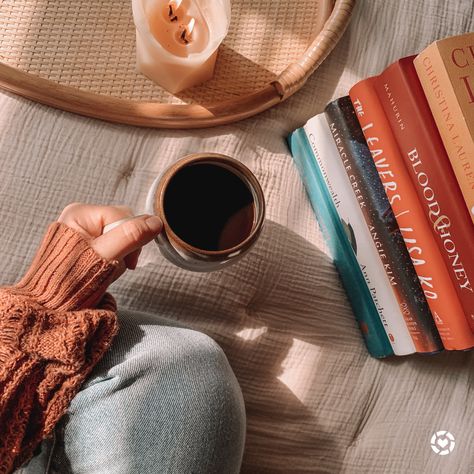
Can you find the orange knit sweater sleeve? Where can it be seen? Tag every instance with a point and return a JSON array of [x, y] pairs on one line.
[[50, 339]]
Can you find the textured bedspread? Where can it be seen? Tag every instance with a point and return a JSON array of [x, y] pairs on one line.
[[315, 401]]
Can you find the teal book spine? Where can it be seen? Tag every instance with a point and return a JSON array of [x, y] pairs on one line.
[[340, 247]]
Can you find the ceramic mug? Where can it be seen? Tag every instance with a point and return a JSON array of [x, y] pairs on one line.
[[191, 196]]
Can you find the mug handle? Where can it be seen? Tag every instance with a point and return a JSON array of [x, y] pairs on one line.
[[113, 225]]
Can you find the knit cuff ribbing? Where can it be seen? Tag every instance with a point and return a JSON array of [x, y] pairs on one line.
[[66, 273]]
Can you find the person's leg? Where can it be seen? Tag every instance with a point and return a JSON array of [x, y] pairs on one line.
[[163, 400]]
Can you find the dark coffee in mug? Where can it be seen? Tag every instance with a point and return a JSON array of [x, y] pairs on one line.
[[209, 206]]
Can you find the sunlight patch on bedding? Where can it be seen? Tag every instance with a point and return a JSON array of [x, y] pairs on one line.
[[300, 367], [249, 334]]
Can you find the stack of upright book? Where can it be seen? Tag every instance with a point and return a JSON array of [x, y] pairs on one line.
[[389, 170]]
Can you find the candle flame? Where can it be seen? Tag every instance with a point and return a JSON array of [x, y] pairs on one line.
[[190, 26], [174, 5]]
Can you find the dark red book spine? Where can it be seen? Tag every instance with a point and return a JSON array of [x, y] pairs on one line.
[[412, 123]]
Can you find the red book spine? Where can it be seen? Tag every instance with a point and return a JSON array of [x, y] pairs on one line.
[[414, 226], [413, 126]]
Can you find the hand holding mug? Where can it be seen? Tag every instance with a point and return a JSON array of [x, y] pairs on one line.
[[123, 242], [211, 211]]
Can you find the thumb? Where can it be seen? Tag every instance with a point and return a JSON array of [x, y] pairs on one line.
[[127, 237]]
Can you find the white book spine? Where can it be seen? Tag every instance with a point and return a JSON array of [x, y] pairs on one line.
[[347, 205]]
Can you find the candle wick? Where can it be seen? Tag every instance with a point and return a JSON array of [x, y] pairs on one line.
[[173, 7], [185, 35], [171, 14]]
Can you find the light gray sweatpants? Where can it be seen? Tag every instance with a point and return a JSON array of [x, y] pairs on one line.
[[163, 400]]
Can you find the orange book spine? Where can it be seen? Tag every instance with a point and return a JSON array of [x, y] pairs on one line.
[[446, 72], [428, 263]]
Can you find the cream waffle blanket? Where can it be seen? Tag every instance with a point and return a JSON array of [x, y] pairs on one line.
[[316, 402]]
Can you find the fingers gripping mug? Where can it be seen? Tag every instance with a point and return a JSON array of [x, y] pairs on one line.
[[212, 208]]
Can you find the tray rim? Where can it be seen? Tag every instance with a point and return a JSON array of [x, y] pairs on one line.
[[182, 116]]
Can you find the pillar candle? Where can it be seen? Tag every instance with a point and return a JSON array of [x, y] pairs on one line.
[[177, 40]]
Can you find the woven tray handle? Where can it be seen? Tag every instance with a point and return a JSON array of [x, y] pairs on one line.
[[297, 73]]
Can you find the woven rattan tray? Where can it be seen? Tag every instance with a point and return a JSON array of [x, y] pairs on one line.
[[79, 56]]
